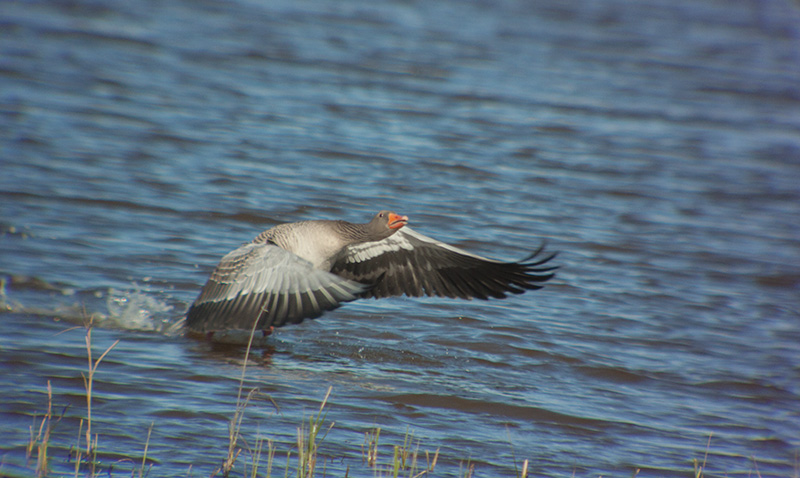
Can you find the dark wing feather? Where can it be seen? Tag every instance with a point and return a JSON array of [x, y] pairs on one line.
[[266, 283], [413, 264]]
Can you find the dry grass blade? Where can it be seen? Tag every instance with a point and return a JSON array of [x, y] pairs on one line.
[[89, 381], [256, 455], [235, 425], [699, 469], [42, 439], [142, 474], [468, 470], [308, 445], [371, 439], [432, 463]]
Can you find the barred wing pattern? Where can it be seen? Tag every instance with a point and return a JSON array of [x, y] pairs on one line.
[[413, 264], [266, 283]]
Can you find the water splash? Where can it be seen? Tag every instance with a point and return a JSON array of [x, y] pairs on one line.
[[136, 309]]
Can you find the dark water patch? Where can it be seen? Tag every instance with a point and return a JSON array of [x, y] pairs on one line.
[[544, 357], [19, 282], [87, 35], [349, 155], [557, 129], [746, 390], [759, 93], [481, 407], [613, 374], [91, 201]]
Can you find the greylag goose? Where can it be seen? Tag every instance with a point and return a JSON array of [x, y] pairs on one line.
[[299, 270]]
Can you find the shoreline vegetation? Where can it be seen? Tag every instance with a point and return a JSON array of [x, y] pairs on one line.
[[242, 458], [259, 458]]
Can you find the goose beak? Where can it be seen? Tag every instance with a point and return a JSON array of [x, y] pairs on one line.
[[397, 221]]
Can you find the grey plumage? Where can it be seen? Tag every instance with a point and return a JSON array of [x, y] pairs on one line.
[[297, 271]]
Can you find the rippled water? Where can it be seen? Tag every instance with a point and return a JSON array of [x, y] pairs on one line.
[[655, 144]]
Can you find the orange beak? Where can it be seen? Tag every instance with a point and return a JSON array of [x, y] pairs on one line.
[[397, 221]]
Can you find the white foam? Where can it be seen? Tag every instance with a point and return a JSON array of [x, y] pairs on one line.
[[136, 309]]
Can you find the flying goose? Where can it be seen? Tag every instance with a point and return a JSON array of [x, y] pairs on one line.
[[299, 270]]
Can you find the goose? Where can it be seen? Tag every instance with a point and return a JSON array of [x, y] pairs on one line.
[[299, 270]]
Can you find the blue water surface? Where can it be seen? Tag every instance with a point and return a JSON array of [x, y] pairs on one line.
[[655, 145]]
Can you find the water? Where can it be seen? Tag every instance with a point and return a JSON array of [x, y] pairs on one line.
[[655, 144]]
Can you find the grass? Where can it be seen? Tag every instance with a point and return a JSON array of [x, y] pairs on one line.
[[235, 425], [302, 458], [41, 441], [308, 441], [142, 472], [698, 467], [257, 459], [405, 457], [90, 453]]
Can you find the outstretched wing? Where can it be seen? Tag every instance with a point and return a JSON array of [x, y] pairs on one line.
[[413, 264], [271, 285]]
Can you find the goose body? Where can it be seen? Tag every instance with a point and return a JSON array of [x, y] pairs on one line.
[[299, 270]]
